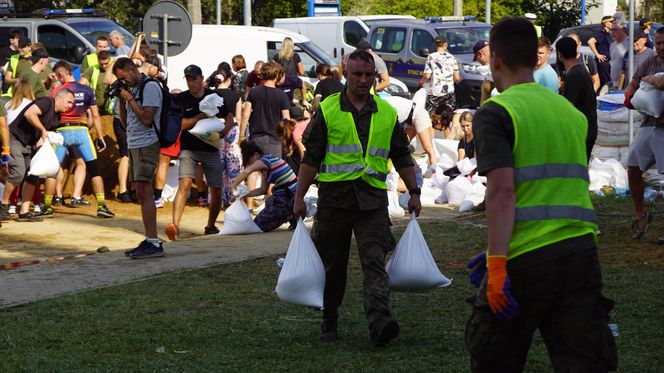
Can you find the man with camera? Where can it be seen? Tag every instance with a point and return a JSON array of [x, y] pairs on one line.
[[140, 110], [73, 128]]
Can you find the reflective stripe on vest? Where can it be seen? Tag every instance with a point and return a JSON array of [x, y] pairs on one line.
[[344, 158], [551, 187], [13, 62]]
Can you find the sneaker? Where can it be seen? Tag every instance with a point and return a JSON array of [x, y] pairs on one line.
[[28, 217], [640, 225], [12, 209], [147, 250], [203, 201], [171, 231], [383, 331], [159, 203], [211, 230], [124, 197], [37, 209], [77, 202], [45, 213], [57, 201], [5, 215], [104, 212]]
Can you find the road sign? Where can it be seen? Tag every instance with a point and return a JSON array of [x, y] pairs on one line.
[[167, 27]]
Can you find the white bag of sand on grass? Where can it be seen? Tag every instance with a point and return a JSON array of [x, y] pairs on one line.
[[302, 277], [238, 220]]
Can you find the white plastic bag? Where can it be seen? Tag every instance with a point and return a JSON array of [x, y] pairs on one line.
[[55, 138], [210, 104], [237, 220], [467, 165], [302, 277], [209, 130], [648, 99], [393, 208], [412, 266], [44, 163], [457, 190]]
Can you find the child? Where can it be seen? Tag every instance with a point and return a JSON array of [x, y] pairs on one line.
[[273, 170]]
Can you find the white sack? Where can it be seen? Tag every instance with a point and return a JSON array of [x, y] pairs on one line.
[[439, 179], [44, 163], [210, 104], [55, 138], [209, 130], [311, 201], [429, 194], [302, 277], [466, 205], [412, 266], [467, 165], [445, 162], [605, 152], [442, 198], [392, 179], [393, 207], [618, 115], [237, 220], [403, 200], [172, 181], [473, 198], [457, 190], [607, 173], [648, 99], [449, 147]]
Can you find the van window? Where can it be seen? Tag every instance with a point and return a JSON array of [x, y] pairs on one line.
[[388, 39], [61, 44], [353, 33], [461, 40], [4, 34], [421, 39]]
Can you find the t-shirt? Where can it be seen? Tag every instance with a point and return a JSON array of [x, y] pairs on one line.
[[327, 87], [442, 66], [299, 129], [289, 65], [83, 99], [123, 50], [650, 66], [547, 77], [291, 83], [239, 82], [5, 54], [420, 118], [467, 146], [617, 53], [604, 41], [35, 82], [24, 132], [22, 67], [99, 89], [381, 67], [638, 60], [588, 63], [191, 109], [280, 174], [253, 80], [231, 99], [266, 106], [578, 89], [139, 135]]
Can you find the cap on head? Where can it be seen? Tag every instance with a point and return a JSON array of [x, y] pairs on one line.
[[193, 71], [363, 45], [644, 22], [530, 16], [23, 41], [479, 45], [607, 19]]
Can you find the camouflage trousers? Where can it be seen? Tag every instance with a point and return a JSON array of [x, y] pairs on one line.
[[331, 234]]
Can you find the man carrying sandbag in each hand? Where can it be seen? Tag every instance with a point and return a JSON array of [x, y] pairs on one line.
[[348, 143]]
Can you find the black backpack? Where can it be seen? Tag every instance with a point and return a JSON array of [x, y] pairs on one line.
[[172, 112]]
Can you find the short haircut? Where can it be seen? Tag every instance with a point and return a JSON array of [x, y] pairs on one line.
[[543, 41], [440, 39], [123, 63], [103, 55], [361, 55], [271, 70], [660, 30], [38, 54], [15, 32], [514, 40], [115, 34], [566, 47], [101, 38], [248, 149], [64, 91], [63, 65], [238, 62]]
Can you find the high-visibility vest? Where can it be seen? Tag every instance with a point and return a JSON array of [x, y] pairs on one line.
[[91, 59], [13, 62], [538, 29], [344, 157], [550, 168]]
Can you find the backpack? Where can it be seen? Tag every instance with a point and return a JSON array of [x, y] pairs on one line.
[[172, 112]]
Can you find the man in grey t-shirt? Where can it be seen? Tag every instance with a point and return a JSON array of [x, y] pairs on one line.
[[617, 49], [140, 111]]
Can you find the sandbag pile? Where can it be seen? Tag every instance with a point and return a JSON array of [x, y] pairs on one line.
[[613, 127]]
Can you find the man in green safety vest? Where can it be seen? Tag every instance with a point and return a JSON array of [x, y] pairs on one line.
[[348, 144], [92, 59], [18, 63], [541, 269]]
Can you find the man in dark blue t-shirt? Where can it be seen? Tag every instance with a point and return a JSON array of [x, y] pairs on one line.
[[599, 44]]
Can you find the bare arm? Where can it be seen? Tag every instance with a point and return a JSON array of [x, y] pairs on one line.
[[109, 78], [595, 79], [300, 69], [244, 174], [384, 82], [316, 102], [424, 79], [300, 148], [189, 123], [500, 209], [144, 114], [461, 154], [96, 121], [246, 113], [285, 114], [592, 43], [4, 131], [456, 77], [305, 178], [657, 81]]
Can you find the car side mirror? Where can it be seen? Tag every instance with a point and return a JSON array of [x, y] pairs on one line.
[[424, 52], [78, 54]]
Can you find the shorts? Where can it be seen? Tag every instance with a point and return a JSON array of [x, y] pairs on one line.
[[120, 136], [143, 163], [19, 163], [212, 166], [173, 150], [434, 102], [77, 137], [647, 149]]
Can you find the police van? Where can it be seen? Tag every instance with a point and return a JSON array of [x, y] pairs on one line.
[[405, 44]]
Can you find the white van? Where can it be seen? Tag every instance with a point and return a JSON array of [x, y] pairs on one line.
[[336, 35], [213, 44]]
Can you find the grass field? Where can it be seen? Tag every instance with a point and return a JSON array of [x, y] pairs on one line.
[[228, 318]]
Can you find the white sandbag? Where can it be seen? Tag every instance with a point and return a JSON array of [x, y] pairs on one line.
[[624, 155], [393, 208], [210, 104], [172, 181], [479, 179], [237, 220], [445, 162], [55, 138], [44, 163], [439, 179], [466, 205], [429, 194], [302, 277], [412, 266], [618, 115], [448, 147], [648, 99], [467, 165], [403, 200], [442, 198], [209, 130], [605, 152], [392, 179], [311, 204], [457, 190], [607, 173]]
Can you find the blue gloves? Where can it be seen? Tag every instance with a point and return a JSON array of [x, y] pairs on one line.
[[478, 269]]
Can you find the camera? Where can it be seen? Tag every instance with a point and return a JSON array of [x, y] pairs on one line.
[[113, 90]]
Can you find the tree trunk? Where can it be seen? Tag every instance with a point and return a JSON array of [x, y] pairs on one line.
[[194, 9]]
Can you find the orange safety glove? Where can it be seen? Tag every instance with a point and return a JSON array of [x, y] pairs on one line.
[[501, 301], [4, 157]]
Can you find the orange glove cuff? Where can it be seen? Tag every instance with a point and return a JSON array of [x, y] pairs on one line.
[[5, 150], [497, 263]]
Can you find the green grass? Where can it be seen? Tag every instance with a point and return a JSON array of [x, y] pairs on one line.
[[228, 318]]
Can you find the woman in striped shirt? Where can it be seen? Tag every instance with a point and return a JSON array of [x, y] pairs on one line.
[[276, 172]]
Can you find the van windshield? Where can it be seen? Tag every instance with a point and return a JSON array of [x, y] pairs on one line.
[[461, 40], [91, 29]]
